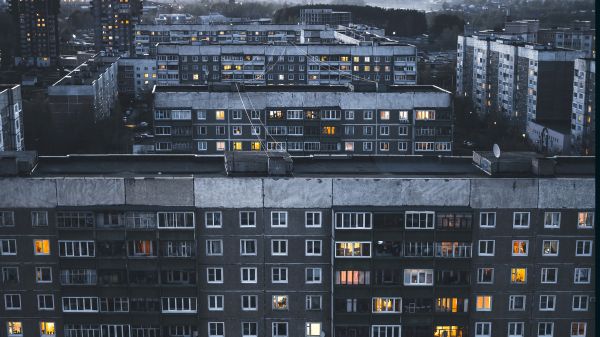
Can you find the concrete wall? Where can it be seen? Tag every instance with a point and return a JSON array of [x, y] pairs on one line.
[[511, 193]]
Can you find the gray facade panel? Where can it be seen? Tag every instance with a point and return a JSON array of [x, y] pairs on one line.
[[29, 193], [307, 192], [228, 193], [504, 193], [566, 193], [160, 191], [90, 191]]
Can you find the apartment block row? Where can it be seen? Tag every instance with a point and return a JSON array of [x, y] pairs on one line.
[[290, 64], [396, 120], [518, 81], [11, 118], [459, 254]]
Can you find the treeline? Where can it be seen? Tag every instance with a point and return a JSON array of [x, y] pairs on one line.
[[252, 10], [405, 22]]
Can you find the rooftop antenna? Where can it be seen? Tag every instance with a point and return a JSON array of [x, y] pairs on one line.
[[496, 150]]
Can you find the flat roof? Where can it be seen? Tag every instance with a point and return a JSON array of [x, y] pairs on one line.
[[230, 87], [157, 165]]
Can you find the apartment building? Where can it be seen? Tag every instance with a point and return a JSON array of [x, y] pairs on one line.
[[514, 79], [37, 28], [136, 76], [580, 36], [450, 251], [114, 22], [583, 116], [395, 120], [147, 36], [290, 64], [85, 95], [324, 16], [11, 118]]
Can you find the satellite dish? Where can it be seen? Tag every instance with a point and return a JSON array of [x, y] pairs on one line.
[[496, 150]]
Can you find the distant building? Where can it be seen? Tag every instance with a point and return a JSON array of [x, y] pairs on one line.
[[583, 116], [580, 36], [286, 64], [549, 137], [85, 95], [175, 18], [136, 76], [11, 118], [114, 22], [324, 16], [37, 29], [303, 120]]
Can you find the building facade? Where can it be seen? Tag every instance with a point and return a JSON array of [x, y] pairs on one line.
[[583, 116], [291, 64], [448, 252], [37, 28], [136, 76], [114, 22], [303, 120], [324, 16], [11, 118]]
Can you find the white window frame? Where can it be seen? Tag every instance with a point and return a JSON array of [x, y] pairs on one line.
[[216, 279], [546, 325], [243, 250], [393, 301], [484, 308], [246, 275], [211, 245], [8, 247], [310, 245], [252, 302], [279, 273], [277, 217], [354, 256], [279, 247], [310, 217], [518, 326], [249, 215], [386, 330], [9, 300], [317, 275], [481, 328], [586, 247], [215, 302], [487, 216], [584, 324], [213, 219], [42, 303], [521, 216], [179, 305], [38, 272], [578, 301], [547, 303], [551, 216], [487, 243], [512, 302], [275, 326], [88, 304], [550, 242], [216, 326], [519, 254], [353, 220], [79, 243], [544, 275], [424, 277], [480, 275], [577, 275]]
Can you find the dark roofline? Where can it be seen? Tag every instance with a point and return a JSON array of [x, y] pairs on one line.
[[359, 87]]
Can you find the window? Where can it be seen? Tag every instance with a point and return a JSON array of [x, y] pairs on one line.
[[47, 329], [516, 302], [248, 275], [15, 329], [247, 219], [214, 275], [486, 247], [583, 248], [580, 303], [422, 115], [10, 274], [352, 277], [547, 302], [385, 330], [367, 114], [279, 329], [487, 220], [179, 305], [175, 219], [550, 248], [213, 219], [353, 220], [313, 219], [45, 302], [249, 329], [142, 248], [279, 275], [215, 302], [280, 302], [552, 220], [313, 247], [419, 220], [8, 247], [402, 146], [249, 302], [521, 220], [549, 275], [352, 249], [279, 219], [279, 247], [582, 275], [201, 114], [220, 146], [39, 219], [114, 304], [7, 219], [76, 248], [214, 247], [518, 275], [313, 302], [418, 277], [313, 329], [385, 305], [519, 247], [216, 329], [43, 274], [80, 304], [220, 115], [545, 329], [12, 302], [485, 275], [483, 303], [578, 329], [516, 329], [247, 247], [585, 220], [313, 275], [483, 329]]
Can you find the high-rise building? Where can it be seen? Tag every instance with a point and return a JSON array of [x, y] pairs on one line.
[[303, 120], [37, 28], [583, 117], [114, 22], [324, 16], [11, 118], [181, 246]]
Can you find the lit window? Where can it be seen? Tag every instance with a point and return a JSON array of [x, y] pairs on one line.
[[519, 247], [15, 329], [255, 146], [220, 146], [387, 305], [328, 130], [220, 115], [518, 275], [353, 249], [578, 329], [41, 247], [483, 303], [47, 329], [425, 115], [349, 146], [384, 115], [280, 302], [585, 220], [237, 146], [313, 329], [449, 331]]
